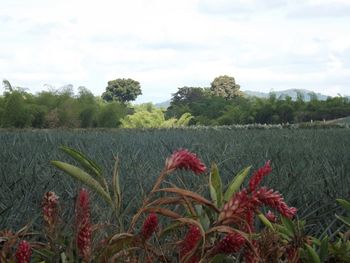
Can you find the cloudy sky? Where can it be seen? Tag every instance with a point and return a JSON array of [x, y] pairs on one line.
[[265, 44]]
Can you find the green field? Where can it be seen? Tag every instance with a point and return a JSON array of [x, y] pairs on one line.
[[311, 167]]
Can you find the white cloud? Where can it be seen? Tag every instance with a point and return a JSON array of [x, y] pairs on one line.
[[168, 44]]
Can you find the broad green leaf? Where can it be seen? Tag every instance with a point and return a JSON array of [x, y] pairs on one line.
[[265, 221], [345, 204], [89, 165], [312, 254], [215, 185], [236, 183], [83, 177]]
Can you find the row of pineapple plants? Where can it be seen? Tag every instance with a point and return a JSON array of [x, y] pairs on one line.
[[173, 224]]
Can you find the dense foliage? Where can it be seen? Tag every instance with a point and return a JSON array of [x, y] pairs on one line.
[[208, 109], [221, 104], [122, 90], [58, 108]]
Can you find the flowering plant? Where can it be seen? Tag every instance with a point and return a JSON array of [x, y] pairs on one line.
[[173, 224]]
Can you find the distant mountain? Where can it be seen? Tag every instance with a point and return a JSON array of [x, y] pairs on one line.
[[164, 104], [293, 93]]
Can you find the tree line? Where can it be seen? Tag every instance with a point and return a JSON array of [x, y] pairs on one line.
[[224, 104], [220, 104]]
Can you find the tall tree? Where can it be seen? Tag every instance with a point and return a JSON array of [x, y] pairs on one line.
[[122, 90], [188, 95], [184, 99], [226, 87]]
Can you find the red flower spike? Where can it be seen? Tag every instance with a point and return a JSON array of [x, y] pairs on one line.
[[259, 175], [83, 225], [231, 243], [149, 226], [271, 217], [275, 200], [192, 237], [23, 252], [183, 159], [240, 211], [50, 208], [249, 226]]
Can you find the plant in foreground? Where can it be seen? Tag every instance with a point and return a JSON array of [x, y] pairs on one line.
[[223, 225], [180, 225]]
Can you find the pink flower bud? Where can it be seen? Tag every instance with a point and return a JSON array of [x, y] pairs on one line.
[[271, 217], [192, 237], [183, 159], [50, 208], [259, 175], [83, 225], [275, 200], [149, 226], [231, 243], [23, 252]]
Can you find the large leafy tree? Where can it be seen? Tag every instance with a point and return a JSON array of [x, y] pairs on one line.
[[122, 90], [188, 95], [226, 87], [184, 99]]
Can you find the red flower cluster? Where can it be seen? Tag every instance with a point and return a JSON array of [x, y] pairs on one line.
[[23, 252], [275, 200], [149, 226], [50, 208], [192, 237], [242, 206], [183, 159], [83, 226], [240, 211], [231, 243], [259, 175]]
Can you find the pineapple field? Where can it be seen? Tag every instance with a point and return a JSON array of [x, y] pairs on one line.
[[311, 167]]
